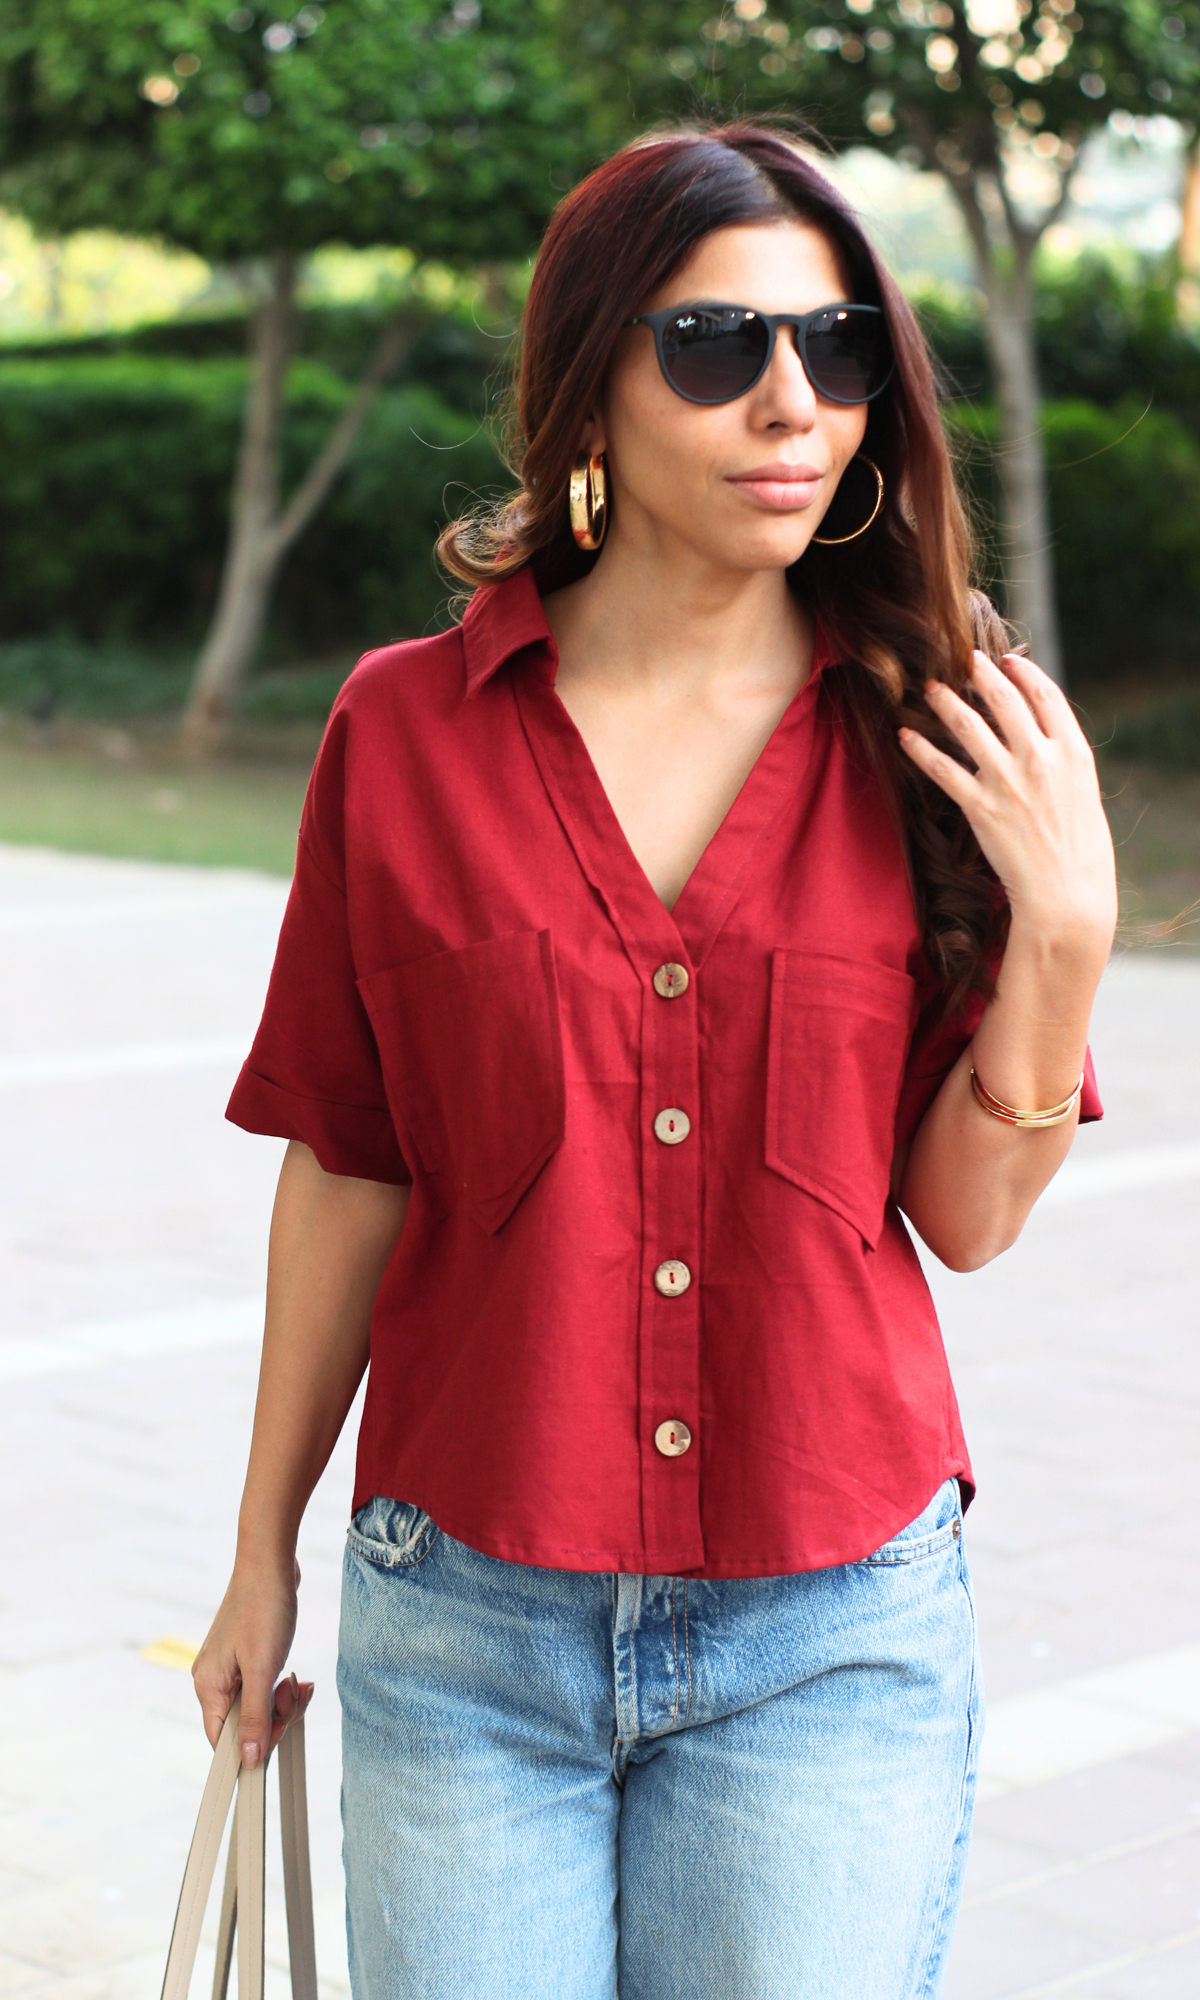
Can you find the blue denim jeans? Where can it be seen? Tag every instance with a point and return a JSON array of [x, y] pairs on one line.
[[561, 1785]]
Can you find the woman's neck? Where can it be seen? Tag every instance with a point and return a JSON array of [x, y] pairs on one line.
[[675, 682], [636, 619]]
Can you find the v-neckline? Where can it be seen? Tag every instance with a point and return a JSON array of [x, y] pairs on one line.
[[715, 884]]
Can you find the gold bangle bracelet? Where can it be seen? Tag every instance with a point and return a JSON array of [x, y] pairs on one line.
[[1056, 1115]]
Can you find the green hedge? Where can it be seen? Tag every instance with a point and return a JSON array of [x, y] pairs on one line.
[[1167, 734], [114, 487], [1125, 519], [39, 676], [449, 353], [114, 490]]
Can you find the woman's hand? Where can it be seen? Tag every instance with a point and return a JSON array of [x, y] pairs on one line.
[[246, 1649], [331, 1237], [1033, 800]]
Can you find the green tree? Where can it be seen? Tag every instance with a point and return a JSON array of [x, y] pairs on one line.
[[998, 97], [253, 138]]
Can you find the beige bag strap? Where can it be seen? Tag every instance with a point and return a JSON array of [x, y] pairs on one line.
[[245, 1872], [228, 1923], [297, 1874]]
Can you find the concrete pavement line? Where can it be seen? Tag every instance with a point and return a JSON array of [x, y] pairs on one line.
[[1118, 1964], [1124, 1172], [130, 1059], [19, 917], [210, 1324], [1181, 1829], [1090, 1720]]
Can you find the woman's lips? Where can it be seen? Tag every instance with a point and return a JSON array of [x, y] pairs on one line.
[[782, 488]]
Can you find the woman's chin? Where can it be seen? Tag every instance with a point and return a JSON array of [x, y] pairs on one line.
[[776, 546]]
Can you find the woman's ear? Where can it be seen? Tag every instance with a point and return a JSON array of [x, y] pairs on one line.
[[592, 439]]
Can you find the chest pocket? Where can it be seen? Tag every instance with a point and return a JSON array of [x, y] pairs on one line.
[[839, 1035], [471, 1046]]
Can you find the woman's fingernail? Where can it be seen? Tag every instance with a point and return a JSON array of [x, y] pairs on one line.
[[250, 1755], [295, 1684]]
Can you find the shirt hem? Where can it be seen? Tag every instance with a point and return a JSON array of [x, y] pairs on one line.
[[667, 1562]]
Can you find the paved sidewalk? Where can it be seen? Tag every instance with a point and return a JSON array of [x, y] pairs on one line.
[[132, 1246]]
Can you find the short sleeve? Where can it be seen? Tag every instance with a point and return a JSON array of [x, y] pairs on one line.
[[313, 1072], [938, 1042]]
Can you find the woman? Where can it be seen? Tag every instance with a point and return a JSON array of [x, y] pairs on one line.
[[718, 890]]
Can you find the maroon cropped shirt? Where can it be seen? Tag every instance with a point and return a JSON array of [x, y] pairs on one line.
[[652, 1308]]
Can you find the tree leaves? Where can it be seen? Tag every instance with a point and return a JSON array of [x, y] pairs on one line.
[[446, 127]]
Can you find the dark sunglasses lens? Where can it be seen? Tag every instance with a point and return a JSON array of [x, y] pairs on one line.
[[847, 353], [714, 356]]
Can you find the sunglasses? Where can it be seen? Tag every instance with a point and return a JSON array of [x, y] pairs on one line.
[[714, 353]]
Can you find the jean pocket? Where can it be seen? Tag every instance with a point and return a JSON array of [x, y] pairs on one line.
[[839, 1034], [471, 1046], [934, 1530], [392, 1534]]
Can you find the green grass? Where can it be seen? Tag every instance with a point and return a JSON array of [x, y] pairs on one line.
[[236, 814]]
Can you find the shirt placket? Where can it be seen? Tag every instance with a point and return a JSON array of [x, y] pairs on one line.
[[667, 952], [670, 1439]]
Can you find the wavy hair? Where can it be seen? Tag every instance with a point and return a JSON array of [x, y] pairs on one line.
[[896, 603]]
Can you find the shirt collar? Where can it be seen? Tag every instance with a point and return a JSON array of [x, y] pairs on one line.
[[504, 618]]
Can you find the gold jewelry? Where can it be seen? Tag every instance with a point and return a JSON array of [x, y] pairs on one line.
[[832, 541], [588, 501], [1057, 1114]]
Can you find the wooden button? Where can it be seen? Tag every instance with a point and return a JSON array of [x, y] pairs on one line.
[[670, 981], [672, 1438], [672, 1126], [672, 1277]]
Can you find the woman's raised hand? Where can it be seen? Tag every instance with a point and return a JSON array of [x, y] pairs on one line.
[[1033, 799], [246, 1648]]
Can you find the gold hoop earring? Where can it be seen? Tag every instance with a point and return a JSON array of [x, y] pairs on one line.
[[588, 501], [833, 541]]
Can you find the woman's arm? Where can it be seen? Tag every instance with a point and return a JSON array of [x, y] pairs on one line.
[[330, 1241], [969, 1180]]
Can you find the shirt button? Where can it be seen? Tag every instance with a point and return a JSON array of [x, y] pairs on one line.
[[670, 981], [672, 1126], [672, 1438], [672, 1277]]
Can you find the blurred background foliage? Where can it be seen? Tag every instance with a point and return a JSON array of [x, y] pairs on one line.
[[116, 451], [114, 494]]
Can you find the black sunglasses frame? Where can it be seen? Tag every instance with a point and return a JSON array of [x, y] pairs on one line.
[[660, 321]]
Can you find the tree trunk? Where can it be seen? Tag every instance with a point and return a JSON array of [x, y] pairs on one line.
[[261, 533], [1026, 547], [1026, 543], [248, 570]]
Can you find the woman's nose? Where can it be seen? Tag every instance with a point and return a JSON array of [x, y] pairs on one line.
[[788, 395]]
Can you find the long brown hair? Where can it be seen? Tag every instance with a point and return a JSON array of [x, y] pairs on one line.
[[896, 603]]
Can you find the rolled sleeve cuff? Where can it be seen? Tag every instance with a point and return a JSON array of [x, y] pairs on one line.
[[353, 1139]]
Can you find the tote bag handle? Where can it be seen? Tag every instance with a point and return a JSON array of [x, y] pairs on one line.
[[245, 1871]]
